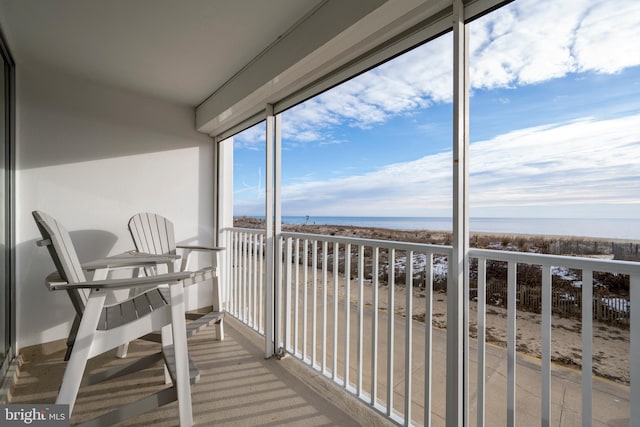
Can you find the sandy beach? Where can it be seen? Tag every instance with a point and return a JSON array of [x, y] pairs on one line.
[[610, 343]]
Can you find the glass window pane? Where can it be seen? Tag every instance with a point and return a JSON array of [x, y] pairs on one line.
[[554, 119], [375, 150], [249, 160], [554, 114], [4, 284]]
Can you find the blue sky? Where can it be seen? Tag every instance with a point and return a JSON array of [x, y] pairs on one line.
[[554, 124]]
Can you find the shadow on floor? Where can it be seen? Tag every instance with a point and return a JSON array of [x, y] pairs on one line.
[[238, 387]]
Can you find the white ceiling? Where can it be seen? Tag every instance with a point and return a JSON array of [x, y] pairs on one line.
[[226, 58], [181, 51]]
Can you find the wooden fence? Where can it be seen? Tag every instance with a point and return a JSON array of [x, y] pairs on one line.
[[606, 307], [626, 251]]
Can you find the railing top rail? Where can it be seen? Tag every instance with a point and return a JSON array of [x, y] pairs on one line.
[[386, 244], [580, 263], [245, 230]]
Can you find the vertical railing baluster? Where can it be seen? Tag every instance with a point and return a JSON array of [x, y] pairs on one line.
[[428, 338], [314, 314], [254, 287], [408, 334], [236, 267], [241, 269], [248, 279], [336, 289], [374, 329], [255, 263], [482, 320], [546, 347], [325, 246], [237, 285], [391, 326], [296, 297], [305, 278], [587, 346], [360, 316], [511, 344], [287, 293], [277, 299], [250, 312], [262, 283], [223, 270], [234, 274], [634, 335], [228, 274], [257, 277], [347, 312], [245, 251]]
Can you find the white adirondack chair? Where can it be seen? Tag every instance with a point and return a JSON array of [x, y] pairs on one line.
[[153, 234], [102, 328]]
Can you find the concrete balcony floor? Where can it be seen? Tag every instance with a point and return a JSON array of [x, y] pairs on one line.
[[237, 386]]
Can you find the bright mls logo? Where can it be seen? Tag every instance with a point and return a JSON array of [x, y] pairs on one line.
[[37, 415]]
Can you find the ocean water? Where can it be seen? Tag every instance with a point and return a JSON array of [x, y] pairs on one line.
[[579, 227]]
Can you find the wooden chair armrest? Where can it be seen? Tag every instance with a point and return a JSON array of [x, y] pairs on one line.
[[201, 248], [191, 249], [131, 259], [55, 283]]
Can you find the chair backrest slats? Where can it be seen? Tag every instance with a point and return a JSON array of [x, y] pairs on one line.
[[63, 254], [152, 234]]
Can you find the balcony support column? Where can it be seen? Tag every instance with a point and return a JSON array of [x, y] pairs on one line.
[[273, 223], [223, 209], [457, 405], [277, 230], [269, 329], [634, 332]]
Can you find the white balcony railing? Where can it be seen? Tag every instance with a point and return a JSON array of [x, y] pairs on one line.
[[243, 288], [346, 307]]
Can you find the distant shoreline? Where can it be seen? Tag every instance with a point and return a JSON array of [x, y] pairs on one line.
[[257, 222], [612, 229]]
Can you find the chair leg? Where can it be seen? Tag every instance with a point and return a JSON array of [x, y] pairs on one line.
[[121, 352], [216, 306], [220, 330], [72, 337], [81, 350], [167, 340], [179, 329]]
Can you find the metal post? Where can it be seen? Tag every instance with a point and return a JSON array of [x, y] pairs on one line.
[[277, 227], [269, 337], [587, 347], [223, 150], [634, 334], [457, 366]]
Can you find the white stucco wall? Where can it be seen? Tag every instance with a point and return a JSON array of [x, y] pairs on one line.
[[92, 156]]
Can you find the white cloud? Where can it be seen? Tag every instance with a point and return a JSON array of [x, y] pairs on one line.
[[606, 40], [526, 42], [533, 41], [582, 163], [252, 138], [405, 84]]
